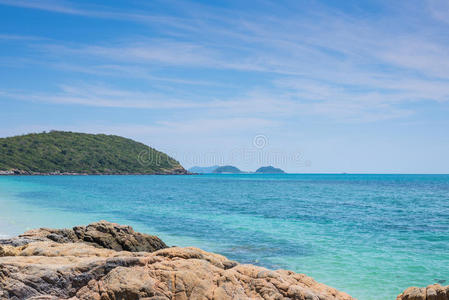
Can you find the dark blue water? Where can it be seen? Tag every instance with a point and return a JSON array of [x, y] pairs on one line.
[[358, 233]]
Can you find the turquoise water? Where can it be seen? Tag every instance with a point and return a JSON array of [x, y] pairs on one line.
[[368, 235]]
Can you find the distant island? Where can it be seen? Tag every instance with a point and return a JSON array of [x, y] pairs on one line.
[[203, 170], [234, 170], [61, 152], [228, 170], [270, 170]]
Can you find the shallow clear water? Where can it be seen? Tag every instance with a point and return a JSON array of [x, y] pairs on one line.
[[369, 235]]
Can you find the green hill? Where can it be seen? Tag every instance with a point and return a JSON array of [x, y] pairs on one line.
[[70, 152], [269, 170]]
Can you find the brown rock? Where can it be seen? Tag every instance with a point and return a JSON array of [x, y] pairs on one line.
[[431, 292], [49, 269], [101, 234]]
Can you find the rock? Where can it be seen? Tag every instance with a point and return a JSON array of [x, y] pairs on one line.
[[6, 172], [81, 263], [431, 292], [101, 234]]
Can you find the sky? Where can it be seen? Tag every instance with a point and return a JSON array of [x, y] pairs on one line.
[[308, 86]]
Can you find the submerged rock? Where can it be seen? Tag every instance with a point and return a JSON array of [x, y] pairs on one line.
[[89, 263]]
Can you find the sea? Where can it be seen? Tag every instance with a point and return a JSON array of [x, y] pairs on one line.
[[371, 236]]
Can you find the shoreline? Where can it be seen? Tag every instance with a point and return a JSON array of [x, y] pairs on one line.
[[29, 173], [71, 263]]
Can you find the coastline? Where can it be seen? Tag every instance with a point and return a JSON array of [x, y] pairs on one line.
[[74, 262], [111, 261], [30, 173]]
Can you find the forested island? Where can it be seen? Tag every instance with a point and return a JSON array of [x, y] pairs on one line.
[[61, 152], [270, 170]]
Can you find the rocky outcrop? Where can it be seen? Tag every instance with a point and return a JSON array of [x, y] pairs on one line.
[[101, 234], [431, 292], [89, 263]]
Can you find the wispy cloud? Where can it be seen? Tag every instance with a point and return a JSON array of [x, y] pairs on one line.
[[322, 62], [117, 70], [100, 96], [155, 51], [262, 104]]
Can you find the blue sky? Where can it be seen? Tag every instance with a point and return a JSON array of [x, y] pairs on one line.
[[308, 86]]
